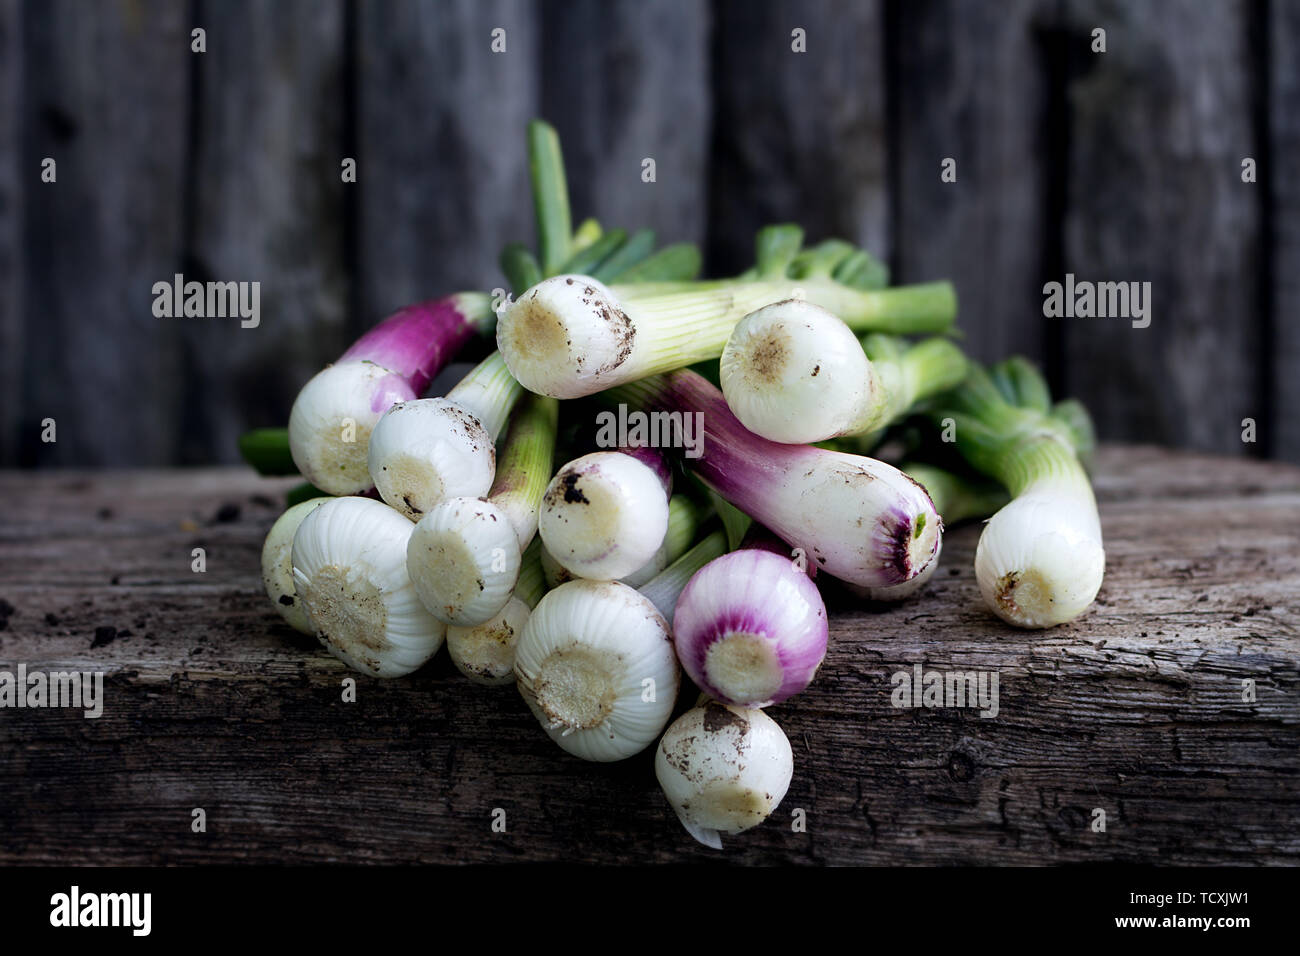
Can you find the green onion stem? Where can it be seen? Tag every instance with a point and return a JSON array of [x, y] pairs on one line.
[[665, 588], [520, 267], [676, 263], [637, 249], [683, 522], [267, 450], [588, 231], [532, 581], [550, 196], [489, 392], [927, 307], [584, 261], [524, 464], [775, 248], [955, 497], [303, 492], [821, 261], [910, 374], [1018, 443]]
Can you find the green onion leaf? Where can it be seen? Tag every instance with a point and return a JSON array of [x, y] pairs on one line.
[[520, 267], [267, 450], [550, 196], [585, 261], [676, 263], [636, 250]]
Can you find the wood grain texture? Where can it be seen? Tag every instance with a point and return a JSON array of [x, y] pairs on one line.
[[268, 205], [12, 264], [798, 137], [1160, 123], [106, 96], [212, 703], [971, 84], [1284, 243], [623, 81], [443, 167]]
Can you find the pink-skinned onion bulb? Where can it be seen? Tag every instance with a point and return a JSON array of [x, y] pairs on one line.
[[750, 628], [333, 416]]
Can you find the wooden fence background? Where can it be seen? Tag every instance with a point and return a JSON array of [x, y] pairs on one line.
[[1124, 165]]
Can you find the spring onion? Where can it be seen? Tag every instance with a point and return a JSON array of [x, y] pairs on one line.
[[485, 653], [858, 519], [723, 769], [683, 519], [793, 372], [1040, 560], [277, 565], [465, 553], [750, 628], [580, 666], [349, 569], [605, 515], [334, 414], [424, 451], [595, 664]]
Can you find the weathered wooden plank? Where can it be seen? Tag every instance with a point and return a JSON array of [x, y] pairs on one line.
[[107, 97], [798, 137], [1160, 123], [1283, 35], [268, 207], [972, 85], [442, 165], [624, 81], [12, 179], [212, 703]]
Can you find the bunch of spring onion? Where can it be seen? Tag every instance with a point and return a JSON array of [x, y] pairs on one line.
[[1039, 561], [482, 519]]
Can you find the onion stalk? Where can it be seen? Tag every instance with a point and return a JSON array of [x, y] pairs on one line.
[[665, 589], [425, 451], [795, 373], [858, 519], [464, 555], [1040, 560], [333, 416]]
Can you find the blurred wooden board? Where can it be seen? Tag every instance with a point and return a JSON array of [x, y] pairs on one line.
[[211, 702]]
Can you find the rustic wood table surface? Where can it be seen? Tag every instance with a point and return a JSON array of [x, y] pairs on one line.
[[1139, 709]]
